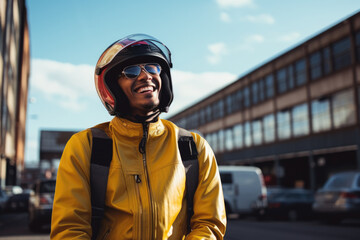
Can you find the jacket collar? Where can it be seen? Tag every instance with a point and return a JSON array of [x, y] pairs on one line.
[[128, 128]]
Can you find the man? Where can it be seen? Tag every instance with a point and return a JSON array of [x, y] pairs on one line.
[[145, 193]]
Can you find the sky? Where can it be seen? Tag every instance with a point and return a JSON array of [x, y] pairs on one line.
[[213, 43]]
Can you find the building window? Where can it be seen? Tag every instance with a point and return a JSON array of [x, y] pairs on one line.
[[261, 90], [269, 128], [229, 140], [343, 109], [326, 60], [269, 82], [238, 136], [215, 142], [300, 120], [315, 65], [320, 63], [237, 100], [341, 53], [283, 124], [208, 138], [229, 104], [285, 79], [247, 129], [246, 94], [208, 113], [357, 42], [221, 141], [202, 116], [181, 123], [281, 80], [255, 90], [218, 109], [320, 112], [257, 132], [300, 72]]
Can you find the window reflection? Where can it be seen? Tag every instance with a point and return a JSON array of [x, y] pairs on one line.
[[247, 134], [269, 128], [238, 136], [300, 120], [343, 109], [215, 141], [320, 111], [257, 132], [283, 121], [229, 142], [221, 141]]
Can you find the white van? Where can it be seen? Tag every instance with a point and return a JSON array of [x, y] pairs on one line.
[[244, 190]]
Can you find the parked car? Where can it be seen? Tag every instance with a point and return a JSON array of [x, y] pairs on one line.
[[289, 203], [339, 198], [40, 203], [18, 202], [3, 200], [12, 190], [244, 190], [17, 198]]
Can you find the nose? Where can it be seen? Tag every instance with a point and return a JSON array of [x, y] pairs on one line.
[[144, 74]]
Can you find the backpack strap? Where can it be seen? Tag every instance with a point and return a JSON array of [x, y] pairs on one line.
[[101, 155], [189, 157]]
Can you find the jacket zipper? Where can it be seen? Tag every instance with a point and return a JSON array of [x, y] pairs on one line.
[[106, 234], [137, 181], [142, 149]]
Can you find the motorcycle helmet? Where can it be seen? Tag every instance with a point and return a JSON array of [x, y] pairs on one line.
[[133, 49]]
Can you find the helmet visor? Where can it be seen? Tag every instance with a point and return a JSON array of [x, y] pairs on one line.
[[121, 44]]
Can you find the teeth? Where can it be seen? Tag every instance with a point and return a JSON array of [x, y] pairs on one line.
[[144, 89]]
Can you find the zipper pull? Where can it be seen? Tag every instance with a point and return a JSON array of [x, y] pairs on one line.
[[137, 178]]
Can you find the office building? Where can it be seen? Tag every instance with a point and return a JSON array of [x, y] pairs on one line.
[[296, 116], [14, 75]]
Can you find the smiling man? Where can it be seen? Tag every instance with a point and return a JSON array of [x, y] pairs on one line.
[[146, 188]]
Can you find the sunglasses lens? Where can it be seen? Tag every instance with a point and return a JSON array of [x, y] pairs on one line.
[[132, 71], [153, 68]]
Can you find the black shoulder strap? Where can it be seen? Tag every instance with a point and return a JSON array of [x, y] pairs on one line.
[[101, 155], [189, 157]]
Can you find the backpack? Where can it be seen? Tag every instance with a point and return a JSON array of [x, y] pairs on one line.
[[101, 156]]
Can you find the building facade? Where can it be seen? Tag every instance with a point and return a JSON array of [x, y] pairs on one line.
[[296, 116], [14, 75]]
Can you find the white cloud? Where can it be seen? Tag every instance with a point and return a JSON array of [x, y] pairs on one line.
[[262, 18], [234, 3], [63, 83], [224, 17], [67, 85], [255, 38], [192, 87], [217, 50], [290, 37]]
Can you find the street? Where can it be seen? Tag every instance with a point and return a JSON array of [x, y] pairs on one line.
[[14, 226]]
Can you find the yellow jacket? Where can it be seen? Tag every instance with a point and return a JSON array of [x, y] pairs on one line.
[[155, 207]]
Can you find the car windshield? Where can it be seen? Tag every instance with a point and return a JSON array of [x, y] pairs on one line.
[[340, 181], [47, 187]]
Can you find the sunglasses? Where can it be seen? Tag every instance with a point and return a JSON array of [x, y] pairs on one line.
[[134, 71]]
